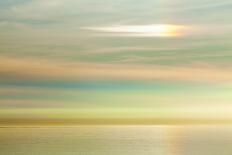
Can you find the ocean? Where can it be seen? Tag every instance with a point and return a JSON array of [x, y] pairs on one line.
[[117, 140]]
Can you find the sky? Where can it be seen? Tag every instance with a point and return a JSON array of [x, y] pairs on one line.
[[115, 60]]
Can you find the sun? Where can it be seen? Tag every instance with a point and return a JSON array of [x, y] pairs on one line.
[[171, 30], [161, 30]]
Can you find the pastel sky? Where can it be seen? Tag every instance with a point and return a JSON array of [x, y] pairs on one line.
[[115, 60]]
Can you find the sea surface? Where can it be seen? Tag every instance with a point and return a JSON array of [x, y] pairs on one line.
[[116, 140]]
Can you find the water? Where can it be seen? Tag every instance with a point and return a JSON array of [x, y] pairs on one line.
[[116, 140]]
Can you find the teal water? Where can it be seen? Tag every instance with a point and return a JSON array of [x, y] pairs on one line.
[[116, 140]]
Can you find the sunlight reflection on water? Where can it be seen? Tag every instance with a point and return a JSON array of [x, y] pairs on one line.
[[116, 140]]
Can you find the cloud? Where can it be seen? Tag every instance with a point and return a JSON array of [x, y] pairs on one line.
[[43, 69], [160, 30], [156, 30], [37, 9], [123, 49], [207, 5]]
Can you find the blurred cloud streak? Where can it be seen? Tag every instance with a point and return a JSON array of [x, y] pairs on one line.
[[155, 30], [35, 68]]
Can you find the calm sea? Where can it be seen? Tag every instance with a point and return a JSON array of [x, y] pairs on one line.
[[116, 140]]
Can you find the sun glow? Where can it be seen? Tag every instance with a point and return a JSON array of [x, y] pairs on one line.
[[159, 30]]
